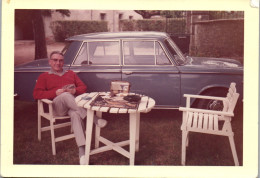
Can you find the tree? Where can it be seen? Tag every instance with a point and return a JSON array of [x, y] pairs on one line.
[[148, 14], [36, 18]]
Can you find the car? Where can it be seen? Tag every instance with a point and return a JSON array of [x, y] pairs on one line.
[[150, 61]]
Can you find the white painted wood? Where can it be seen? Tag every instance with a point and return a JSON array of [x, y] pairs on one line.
[[95, 108], [204, 97], [79, 98], [104, 109], [123, 110], [207, 121], [195, 120], [132, 131], [200, 120], [49, 116], [215, 122], [137, 131], [90, 119], [93, 95], [116, 147], [97, 130], [150, 105], [65, 137], [114, 110], [145, 105], [210, 122], [132, 111], [207, 111], [190, 116], [109, 146]]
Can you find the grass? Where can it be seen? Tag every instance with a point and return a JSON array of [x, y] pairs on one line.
[[160, 141]]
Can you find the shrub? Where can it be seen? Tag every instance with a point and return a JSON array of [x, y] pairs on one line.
[[65, 29], [174, 25]]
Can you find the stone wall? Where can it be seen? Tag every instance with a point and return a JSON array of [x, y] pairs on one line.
[[218, 38]]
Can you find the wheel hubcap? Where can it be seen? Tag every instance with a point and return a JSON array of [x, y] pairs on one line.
[[215, 105]]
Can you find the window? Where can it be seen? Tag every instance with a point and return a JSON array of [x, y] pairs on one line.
[[161, 58], [144, 53], [120, 16], [103, 16], [82, 56], [99, 53]]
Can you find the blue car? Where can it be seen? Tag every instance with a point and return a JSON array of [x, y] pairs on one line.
[[150, 61]]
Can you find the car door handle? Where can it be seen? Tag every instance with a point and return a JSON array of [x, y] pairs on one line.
[[127, 73]]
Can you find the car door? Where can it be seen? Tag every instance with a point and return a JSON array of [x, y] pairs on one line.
[[97, 63], [150, 71]]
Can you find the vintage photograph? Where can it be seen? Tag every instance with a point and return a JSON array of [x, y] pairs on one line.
[[185, 69], [129, 88]]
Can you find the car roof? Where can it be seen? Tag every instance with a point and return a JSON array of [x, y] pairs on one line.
[[119, 35]]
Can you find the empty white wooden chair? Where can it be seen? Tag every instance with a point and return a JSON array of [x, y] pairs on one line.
[[207, 121], [49, 116]]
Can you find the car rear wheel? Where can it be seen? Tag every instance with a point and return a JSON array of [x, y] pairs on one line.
[[212, 104]]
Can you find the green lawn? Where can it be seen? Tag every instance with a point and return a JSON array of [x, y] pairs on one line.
[[160, 141]]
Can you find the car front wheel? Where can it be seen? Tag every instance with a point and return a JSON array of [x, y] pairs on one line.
[[212, 104]]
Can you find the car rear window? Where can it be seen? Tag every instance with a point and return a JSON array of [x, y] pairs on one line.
[[99, 53]]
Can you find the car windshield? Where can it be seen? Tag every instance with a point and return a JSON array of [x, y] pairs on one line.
[[175, 51]]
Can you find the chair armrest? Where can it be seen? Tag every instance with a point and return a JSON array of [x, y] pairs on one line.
[[47, 101], [206, 111], [204, 97]]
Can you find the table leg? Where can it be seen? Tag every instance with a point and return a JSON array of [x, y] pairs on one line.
[[132, 122], [98, 129], [137, 131], [90, 118]]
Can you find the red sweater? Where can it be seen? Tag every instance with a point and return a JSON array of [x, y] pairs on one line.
[[47, 84]]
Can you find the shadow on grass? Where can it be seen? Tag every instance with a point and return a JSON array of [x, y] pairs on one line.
[[160, 141]]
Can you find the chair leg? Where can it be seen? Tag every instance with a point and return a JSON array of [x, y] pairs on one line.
[[39, 128], [233, 149], [187, 140], [52, 138], [183, 149]]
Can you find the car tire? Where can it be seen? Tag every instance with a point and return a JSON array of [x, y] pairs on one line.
[[212, 104]]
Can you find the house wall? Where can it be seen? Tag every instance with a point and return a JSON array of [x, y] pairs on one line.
[[112, 16]]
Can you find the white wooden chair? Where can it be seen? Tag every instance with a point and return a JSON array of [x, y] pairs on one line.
[[207, 121], [49, 116]]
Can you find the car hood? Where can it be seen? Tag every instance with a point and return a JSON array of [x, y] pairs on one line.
[[34, 64], [213, 62]]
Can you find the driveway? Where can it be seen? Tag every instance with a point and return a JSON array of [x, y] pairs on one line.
[[24, 50]]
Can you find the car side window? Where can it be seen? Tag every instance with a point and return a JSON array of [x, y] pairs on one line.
[[99, 53], [144, 53], [82, 56], [104, 53], [161, 58]]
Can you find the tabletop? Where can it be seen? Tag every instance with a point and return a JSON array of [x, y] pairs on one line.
[[86, 100]]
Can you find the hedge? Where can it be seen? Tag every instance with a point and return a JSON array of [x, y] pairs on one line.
[[65, 29], [174, 25]]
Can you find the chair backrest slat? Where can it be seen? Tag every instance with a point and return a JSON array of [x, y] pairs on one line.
[[231, 99]]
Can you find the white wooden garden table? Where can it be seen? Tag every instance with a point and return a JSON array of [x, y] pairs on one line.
[[145, 105]]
